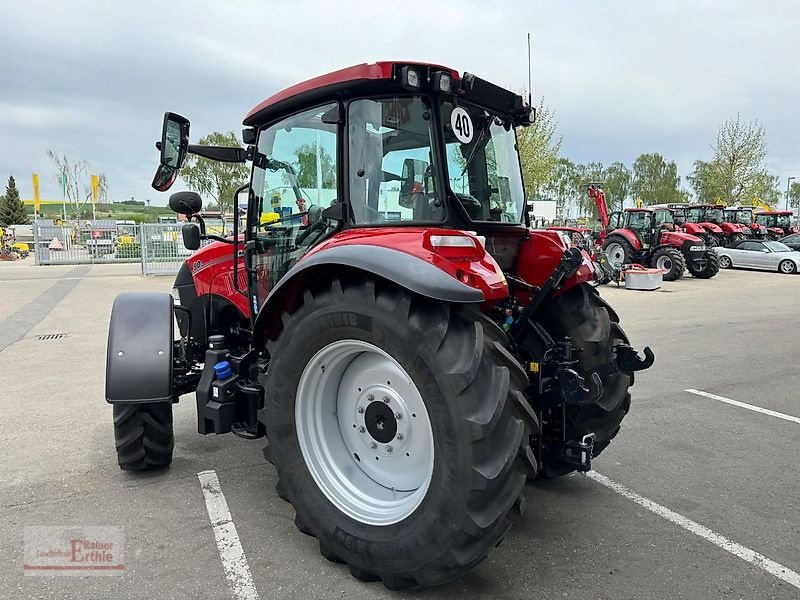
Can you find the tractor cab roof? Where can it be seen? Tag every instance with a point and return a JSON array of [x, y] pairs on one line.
[[644, 210], [389, 77], [722, 206], [779, 213]]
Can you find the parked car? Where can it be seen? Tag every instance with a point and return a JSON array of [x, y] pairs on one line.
[[793, 241], [755, 254]]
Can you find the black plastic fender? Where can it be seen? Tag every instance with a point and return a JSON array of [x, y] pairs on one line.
[[140, 344], [410, 272]]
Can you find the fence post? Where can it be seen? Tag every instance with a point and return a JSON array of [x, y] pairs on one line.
[[142, 248], [36, 250]]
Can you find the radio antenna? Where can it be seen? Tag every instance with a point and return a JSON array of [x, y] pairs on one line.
[[530, 101]]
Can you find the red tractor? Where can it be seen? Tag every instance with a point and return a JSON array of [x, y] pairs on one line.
[[743, 215], [778, 223], [650, 237], [411, 349]]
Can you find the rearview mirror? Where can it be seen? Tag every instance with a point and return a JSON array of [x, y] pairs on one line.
[[186, 203], [191, 236], [173, 146]]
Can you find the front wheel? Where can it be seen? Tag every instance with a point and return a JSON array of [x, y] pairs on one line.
[[671, 261], [787, 266], [706, 267], [397, 427], [143, 435]]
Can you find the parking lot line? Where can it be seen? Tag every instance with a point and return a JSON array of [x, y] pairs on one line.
[[764, 411], [231, 553], [739, 551]]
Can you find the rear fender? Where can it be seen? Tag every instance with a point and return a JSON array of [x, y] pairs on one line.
[[629, 236], [140, 344], [541, 253], [398, 256]]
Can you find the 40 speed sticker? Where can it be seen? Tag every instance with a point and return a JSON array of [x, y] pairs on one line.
[[462, 125]]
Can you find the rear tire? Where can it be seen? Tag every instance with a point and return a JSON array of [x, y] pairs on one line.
[[725, 262], [143, 435], [671, 260], [477, 416], [787, 267], [708, 268], [580, 314]]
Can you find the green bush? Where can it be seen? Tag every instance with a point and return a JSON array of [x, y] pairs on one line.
[[128, 251]]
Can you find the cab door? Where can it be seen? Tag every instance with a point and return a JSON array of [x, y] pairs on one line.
[[294, 179]]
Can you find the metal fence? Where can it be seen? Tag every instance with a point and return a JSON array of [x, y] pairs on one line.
[[158, 247], [162, 249]]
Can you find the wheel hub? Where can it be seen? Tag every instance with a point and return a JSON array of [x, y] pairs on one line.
[[364, 432]]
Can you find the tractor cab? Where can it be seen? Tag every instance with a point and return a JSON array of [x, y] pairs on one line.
[[777, 222], [642, 222]]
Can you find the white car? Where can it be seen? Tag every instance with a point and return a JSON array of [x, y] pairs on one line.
[[755, 254]]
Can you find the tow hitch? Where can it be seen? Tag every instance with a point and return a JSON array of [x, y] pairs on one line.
[[579, 454], [628, 358]]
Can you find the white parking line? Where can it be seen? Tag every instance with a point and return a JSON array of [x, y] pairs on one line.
[[234, 562], [739, 551], [764, 411]]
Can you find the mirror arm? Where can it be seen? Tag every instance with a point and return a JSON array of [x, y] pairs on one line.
[[219, 153], [240, 189]]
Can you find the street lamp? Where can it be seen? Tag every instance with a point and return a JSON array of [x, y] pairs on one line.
[[788, 182]]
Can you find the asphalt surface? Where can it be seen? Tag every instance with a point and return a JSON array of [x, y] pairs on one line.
[[732, 470]]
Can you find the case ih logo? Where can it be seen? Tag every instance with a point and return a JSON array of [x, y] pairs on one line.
[[74, 551]]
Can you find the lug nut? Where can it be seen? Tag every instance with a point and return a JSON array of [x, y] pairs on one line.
[[399, 436], [373, 445], [386, 399], [398, 416], [370, 398], [388, 448], [361, 409], [362, 429]]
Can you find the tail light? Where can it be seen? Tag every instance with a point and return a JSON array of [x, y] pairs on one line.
[[454, 246]]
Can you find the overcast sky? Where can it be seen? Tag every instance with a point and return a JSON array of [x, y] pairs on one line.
[[92, 79]]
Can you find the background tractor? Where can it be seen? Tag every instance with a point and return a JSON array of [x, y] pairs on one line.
[[648, 237], [410, 348], [743, 215], [695, 223], [778, 223]]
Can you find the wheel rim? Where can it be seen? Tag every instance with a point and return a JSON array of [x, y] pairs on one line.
[[616, 254], [664, 262], [724, 262], [364, 432], [787, 267]]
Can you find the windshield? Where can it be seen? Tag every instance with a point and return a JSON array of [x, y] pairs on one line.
[[783, 221], [765, 220], [714, 215], [664, 216], [694, 215], [777, 247], [482, 163], [745, 217]]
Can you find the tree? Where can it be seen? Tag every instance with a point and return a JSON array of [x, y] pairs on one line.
[[656, 181], [538, 151], [306, 156], [794, 195], [12, 210], [70, 175], [616, 185], [737, 173], [217, 180]]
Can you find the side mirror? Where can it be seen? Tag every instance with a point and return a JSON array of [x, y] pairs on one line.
[[174, 145], [191, 236], [186, 203]]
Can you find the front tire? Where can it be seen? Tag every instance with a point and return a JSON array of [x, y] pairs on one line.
[[143, 435], [580, 314], [787, 267], [460, 398], [671, 260], [706, 268]]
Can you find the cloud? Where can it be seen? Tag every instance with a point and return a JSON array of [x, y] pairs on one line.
[[91, 79]]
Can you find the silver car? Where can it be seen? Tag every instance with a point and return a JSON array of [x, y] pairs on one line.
[[753, 254]]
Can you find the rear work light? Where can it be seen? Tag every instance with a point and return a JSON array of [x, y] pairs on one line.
[[410, 78]]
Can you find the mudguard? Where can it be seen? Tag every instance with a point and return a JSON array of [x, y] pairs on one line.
[[406, 270], [140, 343]]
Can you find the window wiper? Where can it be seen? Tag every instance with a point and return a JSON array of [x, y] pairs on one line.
[[479, 143]]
